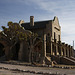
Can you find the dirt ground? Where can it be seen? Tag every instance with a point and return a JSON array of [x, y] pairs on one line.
[[8, 72], [5, 69]]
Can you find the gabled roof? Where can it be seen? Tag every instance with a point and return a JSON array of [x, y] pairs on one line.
[[37, 25]]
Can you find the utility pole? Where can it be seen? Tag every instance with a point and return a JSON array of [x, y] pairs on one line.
[[73, 44]]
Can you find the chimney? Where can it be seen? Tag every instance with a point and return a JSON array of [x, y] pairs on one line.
[[31, 20]]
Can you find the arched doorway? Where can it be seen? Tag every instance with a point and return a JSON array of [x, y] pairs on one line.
[[2, 52], [37, 53], [66, 53], [63, 52], [16, 51]]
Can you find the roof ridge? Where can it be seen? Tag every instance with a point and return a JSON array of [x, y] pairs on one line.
[[39, 21]]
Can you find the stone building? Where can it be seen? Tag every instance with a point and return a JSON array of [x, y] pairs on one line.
[[47, 48], [52, 48]]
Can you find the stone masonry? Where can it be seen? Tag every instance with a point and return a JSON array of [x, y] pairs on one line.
[[50, 32]]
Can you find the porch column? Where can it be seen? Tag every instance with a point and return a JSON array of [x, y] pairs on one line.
[[72, 51], [64, 48], [43, 53], [51, 48], [56, 47], [50, 45], [60, 47], [67, 50], [44, 45], [61, 51]]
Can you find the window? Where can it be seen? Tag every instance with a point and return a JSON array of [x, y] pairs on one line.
[[54, 35], [59, 37]]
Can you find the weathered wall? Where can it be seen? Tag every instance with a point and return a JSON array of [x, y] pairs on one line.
[[23, 54], [48, 29], [56, 29]]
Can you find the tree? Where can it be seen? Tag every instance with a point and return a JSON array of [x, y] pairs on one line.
[[14, 34]]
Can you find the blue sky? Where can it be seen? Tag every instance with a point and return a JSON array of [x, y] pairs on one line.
[[15, 10]]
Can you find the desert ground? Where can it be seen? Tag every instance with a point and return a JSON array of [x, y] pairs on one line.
[[11, 69]]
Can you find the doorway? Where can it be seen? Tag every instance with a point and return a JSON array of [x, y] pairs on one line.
[[2, 52], [16, 51]]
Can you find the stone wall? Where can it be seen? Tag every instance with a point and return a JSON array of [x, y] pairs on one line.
[[56, 29]]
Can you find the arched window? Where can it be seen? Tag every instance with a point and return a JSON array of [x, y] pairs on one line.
[[54, 35], [59, 37]]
